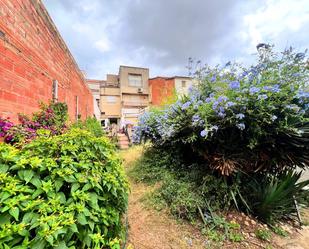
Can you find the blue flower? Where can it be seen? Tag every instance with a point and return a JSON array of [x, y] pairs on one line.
[[241, 126], [215, 105], [208, 100], [213, 78], [204, 133], [240, 116], [254, 89], [214, 128], [221, 109], [230, 103], [234, 85], [222, 98], [221, 115], [186, 105], [262, 96], [275, 88]]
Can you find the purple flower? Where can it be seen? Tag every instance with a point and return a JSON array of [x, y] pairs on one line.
[[234, 85], [215, 105], [208, 100], [254, 89], [241, 126], [222, 98], [186, 105], [240, 116], [262, 96], [214, 128], [204, 133], [230, 103], [221, 115]]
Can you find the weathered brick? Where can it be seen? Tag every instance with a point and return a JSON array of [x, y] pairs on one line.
[[32, 55]]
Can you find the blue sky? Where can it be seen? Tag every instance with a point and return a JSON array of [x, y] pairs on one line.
[[163, 34]]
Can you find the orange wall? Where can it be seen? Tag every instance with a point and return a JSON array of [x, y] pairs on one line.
[[161, 88], [32, 55]]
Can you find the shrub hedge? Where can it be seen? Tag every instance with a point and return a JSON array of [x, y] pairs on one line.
[[65, 191]]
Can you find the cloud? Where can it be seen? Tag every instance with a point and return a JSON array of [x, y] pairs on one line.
[[163, 34]]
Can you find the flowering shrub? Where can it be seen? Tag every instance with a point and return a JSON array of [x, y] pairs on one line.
[[64, 191], [240, 119], [51, 117]]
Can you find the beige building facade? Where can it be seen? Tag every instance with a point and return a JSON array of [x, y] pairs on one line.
[[123, 97]]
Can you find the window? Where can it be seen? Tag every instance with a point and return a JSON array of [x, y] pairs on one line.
[[183, 83], [111, 99], [135, 80], [55, 90], [98, 102]]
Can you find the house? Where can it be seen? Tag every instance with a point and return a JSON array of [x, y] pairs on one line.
[[36, 64], [95, 87], [163, 88], [124, 96]]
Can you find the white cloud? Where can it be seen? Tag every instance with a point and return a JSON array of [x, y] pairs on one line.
[[273, 19], [103, 44]]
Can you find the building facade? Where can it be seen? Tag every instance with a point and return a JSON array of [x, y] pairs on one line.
[[124, 96], [95, 87], [35, 63], [164, 88]]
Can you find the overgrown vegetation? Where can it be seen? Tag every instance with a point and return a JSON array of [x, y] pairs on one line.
[[64, 191], [234, 140], [90, 124], [51, 117]]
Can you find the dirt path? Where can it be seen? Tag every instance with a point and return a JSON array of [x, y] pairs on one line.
[[149, 229]]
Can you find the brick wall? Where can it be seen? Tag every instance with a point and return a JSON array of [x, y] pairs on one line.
[[32, 55], [160, 89]]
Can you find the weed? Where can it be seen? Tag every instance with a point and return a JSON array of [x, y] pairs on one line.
[[279, 231], [263, 234]]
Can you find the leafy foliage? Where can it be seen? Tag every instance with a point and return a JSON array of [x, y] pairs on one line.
[[51, 117], [90, 124], [65, 191], [272, 198], [240, 119]]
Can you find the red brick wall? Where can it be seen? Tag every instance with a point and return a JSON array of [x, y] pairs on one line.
[[32, 55], [161, 88]]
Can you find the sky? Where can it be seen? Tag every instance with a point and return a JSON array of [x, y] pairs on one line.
[[162, 34]]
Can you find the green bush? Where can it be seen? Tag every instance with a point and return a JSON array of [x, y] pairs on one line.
[[182, 188], [90, 124], [253, 119], [272, 198], [65, 191]]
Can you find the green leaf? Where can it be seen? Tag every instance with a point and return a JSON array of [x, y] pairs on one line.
[[74, 187], [3, 168], [39, 244], [4, 218], [81, 218], [27, 218], [61, 245], [14, 212], [36, 181], [73, 227], [58, 184], [25, 175]]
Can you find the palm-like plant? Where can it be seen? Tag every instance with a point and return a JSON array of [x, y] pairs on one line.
[[272, 198]]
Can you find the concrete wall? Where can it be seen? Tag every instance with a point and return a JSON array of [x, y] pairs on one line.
[[32, 55], [180, 90], [124, 79]]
